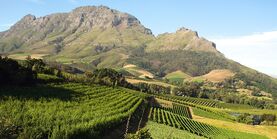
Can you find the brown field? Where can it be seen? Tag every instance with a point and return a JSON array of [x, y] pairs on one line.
[[218, 75], [134, 81], [143, 73], [23, 56]]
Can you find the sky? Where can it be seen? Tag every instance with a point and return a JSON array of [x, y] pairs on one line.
[[244, 30]]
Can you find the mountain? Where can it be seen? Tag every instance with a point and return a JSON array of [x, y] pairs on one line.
[[96, 36], [182, 39], [61, 32]]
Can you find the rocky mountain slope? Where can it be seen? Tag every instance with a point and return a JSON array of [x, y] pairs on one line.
[[182, 39], [60, 32], [96, 36]]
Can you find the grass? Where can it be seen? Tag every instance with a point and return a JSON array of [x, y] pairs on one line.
[[138, 72], [241, 108], [197, 79], [134, 81], [161, 131], [268, 131], [177, 76], [218, 75], [202, 113], [22, 56], [235, 106]]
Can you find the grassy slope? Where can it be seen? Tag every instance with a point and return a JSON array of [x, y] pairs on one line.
[[269, 131], [202, 113], [240, 108], [134, 81], [161, 131], [137, 71], [177, 76], [218, 75]]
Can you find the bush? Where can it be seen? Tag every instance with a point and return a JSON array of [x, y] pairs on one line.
[[12, 73], [141, 134]]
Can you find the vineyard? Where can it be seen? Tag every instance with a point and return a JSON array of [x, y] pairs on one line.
[[76, 110], [178, 109], [162, 116], [208, 107], [65, 110], [190, 100]]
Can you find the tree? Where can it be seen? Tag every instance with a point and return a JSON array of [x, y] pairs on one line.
[[140, 134], [269, 118], [108, 77], [245, 118], [191, 89], [88, 74], [12, 73]]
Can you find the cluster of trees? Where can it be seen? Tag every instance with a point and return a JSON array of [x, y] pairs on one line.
[[140, 134], [269, 118], [24, 72], [194, 63], [256, 119], [241, 99], [12, 73], [191, 89], [152, 88], [108, 77], [226, 93], [39, 66]]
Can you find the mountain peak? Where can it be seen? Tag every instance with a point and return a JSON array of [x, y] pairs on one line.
[[29, 17], [182, 39], [186, 30], [103, 16]]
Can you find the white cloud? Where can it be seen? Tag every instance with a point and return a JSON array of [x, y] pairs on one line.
[[258, 50]]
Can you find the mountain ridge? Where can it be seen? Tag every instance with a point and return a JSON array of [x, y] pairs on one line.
[[92, 37]]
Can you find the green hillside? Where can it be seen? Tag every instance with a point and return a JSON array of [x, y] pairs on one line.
[[177, 76]]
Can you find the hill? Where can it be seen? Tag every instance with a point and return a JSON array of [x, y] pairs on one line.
[[93, 37]]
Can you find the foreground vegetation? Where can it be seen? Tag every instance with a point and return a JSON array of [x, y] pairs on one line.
[[198, 128], [162, 131], [51, 103], [64, 110]]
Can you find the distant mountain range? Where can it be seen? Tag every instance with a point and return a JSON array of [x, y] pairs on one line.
[[96, 36]]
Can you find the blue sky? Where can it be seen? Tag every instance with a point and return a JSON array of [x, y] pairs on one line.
[[221, 21]]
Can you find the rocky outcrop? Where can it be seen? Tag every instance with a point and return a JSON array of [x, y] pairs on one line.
[[88, 27], [182, 39]]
